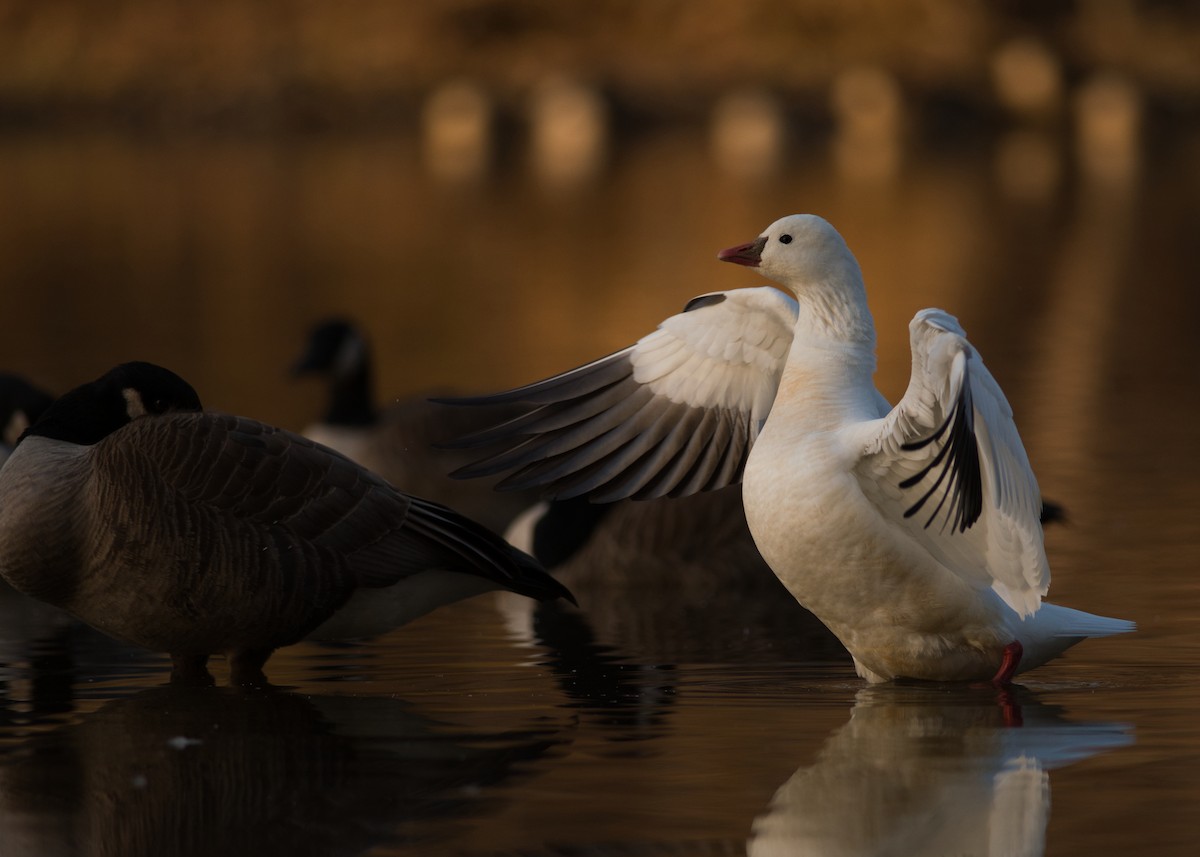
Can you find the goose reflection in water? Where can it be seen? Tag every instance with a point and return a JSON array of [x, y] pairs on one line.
[[201, 771], [927, 771]]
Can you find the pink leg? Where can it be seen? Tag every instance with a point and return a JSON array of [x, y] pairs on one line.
[[1008, 667], [1009, 708]]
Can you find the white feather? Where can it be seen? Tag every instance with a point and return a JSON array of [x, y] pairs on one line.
[[913, 532]]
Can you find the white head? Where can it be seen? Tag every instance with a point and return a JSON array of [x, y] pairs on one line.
[[806, 255]]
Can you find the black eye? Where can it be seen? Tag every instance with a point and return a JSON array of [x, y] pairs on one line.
[[160, 406], [785, 239]]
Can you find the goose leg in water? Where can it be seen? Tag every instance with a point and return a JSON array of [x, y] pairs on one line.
[[191, 670], [245, 666], [1008, 667]]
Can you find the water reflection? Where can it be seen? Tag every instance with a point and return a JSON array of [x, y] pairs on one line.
[[931, 770], [173, 771], [26, 626], [629, 700]]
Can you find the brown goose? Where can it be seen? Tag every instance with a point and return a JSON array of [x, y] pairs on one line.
[[198, 533], [397, 442]]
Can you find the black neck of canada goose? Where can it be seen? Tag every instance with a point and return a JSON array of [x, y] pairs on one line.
[[338, 350], [350, 398], [92, 411], [565, 528]]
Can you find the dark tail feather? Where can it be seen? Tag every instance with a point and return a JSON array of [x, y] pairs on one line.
[[457, 543]]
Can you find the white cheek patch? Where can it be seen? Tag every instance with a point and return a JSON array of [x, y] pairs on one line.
[[16, 426], [134, 406]]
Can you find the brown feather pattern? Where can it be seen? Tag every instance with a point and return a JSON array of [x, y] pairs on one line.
[[205, 533]]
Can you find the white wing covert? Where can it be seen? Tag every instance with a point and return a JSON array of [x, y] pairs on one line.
[[948, 467], [672, 415]]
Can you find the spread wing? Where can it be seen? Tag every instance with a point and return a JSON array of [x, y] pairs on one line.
[[672, 415], [947, 466]]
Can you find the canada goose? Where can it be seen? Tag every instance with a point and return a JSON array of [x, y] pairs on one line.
[[196, 533], [708, 528], [398, 442], [21, 403], [24, 622], [666, 581], [912, 532]]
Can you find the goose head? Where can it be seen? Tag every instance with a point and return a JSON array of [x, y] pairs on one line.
[[337, 351], [806, 255], [335, 347], [130, 391]]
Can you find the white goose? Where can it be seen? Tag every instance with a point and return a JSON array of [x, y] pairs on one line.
[[912, 532]]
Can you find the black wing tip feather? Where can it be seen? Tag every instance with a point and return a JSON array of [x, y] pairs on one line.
[[551, 398], [473, 401], [704, 300], [536, 582], [486, 554], [960, 454], [598, 433], [1053, 513]]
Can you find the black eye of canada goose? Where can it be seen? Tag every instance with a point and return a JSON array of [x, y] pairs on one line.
[[785, 239]]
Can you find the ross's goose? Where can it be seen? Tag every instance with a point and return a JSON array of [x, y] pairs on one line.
[[912, 532], [198, 533]]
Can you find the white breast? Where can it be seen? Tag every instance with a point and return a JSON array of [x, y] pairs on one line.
[[881, 593]]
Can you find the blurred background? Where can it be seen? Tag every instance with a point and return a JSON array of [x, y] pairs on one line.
[[498, 189]]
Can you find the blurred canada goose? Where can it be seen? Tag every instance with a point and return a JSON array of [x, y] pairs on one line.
[[912, 531], [398, 442], [24, 622], [666, 581], [707, 528], [21, 403], [196, 533]]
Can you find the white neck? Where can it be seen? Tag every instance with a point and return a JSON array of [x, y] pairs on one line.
[[835, 313], [828, 377]]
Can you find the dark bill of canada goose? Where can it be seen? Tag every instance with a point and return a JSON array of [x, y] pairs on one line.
[[398, 441], [198, 533]]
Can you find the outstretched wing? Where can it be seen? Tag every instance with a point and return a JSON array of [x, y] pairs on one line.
[[672, 415], [948, 467]]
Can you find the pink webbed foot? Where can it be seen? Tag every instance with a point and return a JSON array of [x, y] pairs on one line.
[[1008, 667]]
